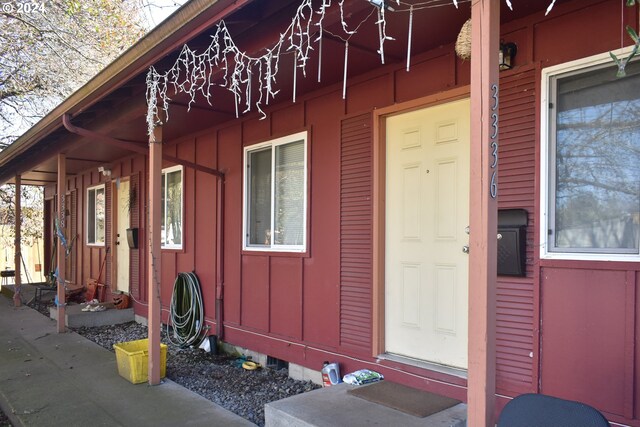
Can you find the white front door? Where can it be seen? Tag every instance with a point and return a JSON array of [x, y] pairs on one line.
[[122, 247], [427, 214]]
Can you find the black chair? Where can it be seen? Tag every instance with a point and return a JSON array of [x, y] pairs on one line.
[[5, 274], [539, 410]]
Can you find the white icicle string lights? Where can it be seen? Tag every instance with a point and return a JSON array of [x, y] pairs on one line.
[[295, 79], [409, 38], [322, 12], [346, 62], [346, 49], [194, 73], [428, 4], [381, 20], [550, 7], [223, 61], [320, 57], [344, 23]]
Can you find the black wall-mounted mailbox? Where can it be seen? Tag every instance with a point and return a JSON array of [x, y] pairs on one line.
[[512, 245], [132, 238]]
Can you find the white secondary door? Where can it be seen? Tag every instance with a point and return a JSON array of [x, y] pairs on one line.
[[122, 248], [427, 214]]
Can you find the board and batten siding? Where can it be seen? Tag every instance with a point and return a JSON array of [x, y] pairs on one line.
[[568, 328], [328, 292]]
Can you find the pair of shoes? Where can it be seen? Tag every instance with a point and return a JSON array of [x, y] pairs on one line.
[[90, 307]]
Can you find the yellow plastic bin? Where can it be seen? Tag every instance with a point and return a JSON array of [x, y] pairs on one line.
[[133, 360]]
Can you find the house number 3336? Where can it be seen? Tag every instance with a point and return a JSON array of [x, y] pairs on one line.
[[493, 189]]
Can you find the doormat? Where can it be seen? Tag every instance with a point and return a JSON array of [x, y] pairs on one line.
[[405, 399]]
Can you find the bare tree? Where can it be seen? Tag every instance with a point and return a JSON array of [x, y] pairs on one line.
[[48, 49], [32, 215]]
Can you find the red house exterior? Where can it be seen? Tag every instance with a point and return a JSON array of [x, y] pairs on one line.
[[373, 210]]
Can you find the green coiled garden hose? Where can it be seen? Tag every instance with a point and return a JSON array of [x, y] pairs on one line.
[[186, 313]]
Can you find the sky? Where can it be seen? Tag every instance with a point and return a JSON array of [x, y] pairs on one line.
[[158, 10]]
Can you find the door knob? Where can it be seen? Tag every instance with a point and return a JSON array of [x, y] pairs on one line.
[[117, 243], [465, 249]]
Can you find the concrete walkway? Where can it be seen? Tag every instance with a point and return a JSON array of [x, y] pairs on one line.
[[335, 406], [50, 379]]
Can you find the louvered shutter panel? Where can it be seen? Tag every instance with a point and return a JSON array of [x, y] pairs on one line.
[[514, 297], [356, 215]]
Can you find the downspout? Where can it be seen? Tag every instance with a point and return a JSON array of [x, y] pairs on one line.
[[133, 146], [127, 145], [138, 148], [220, 260]]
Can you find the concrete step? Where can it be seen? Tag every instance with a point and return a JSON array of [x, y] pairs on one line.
[[334, 406], [76, 318]]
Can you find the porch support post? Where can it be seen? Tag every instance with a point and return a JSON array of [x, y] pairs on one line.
[[155, 267], [61, 250], [485, 40], [17, 297]]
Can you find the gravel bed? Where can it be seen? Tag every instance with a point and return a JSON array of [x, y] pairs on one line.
[[4, 420], [219, 378]]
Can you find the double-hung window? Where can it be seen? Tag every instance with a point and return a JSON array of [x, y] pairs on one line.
[[171, 208], [591, 161], [275, 195], [95, 215]]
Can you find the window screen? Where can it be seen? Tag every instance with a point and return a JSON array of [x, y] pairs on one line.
[[275, 194], [260, 197], [595, 188], [95, 215], [171, 208]]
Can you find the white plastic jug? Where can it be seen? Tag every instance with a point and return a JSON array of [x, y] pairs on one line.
[[330, 374]]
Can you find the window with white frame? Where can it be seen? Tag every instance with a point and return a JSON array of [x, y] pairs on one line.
[[591, 162], [275, 195], [95, 215], [171, 208]]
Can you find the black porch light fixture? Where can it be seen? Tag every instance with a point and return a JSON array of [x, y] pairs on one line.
[[506, 54]]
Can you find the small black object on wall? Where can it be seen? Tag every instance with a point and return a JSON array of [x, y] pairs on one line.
[[512, 245], [132, 238]]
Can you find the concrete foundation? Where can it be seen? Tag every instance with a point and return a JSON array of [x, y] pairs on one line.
[[76, 318], [298, 372], [141, 320]]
